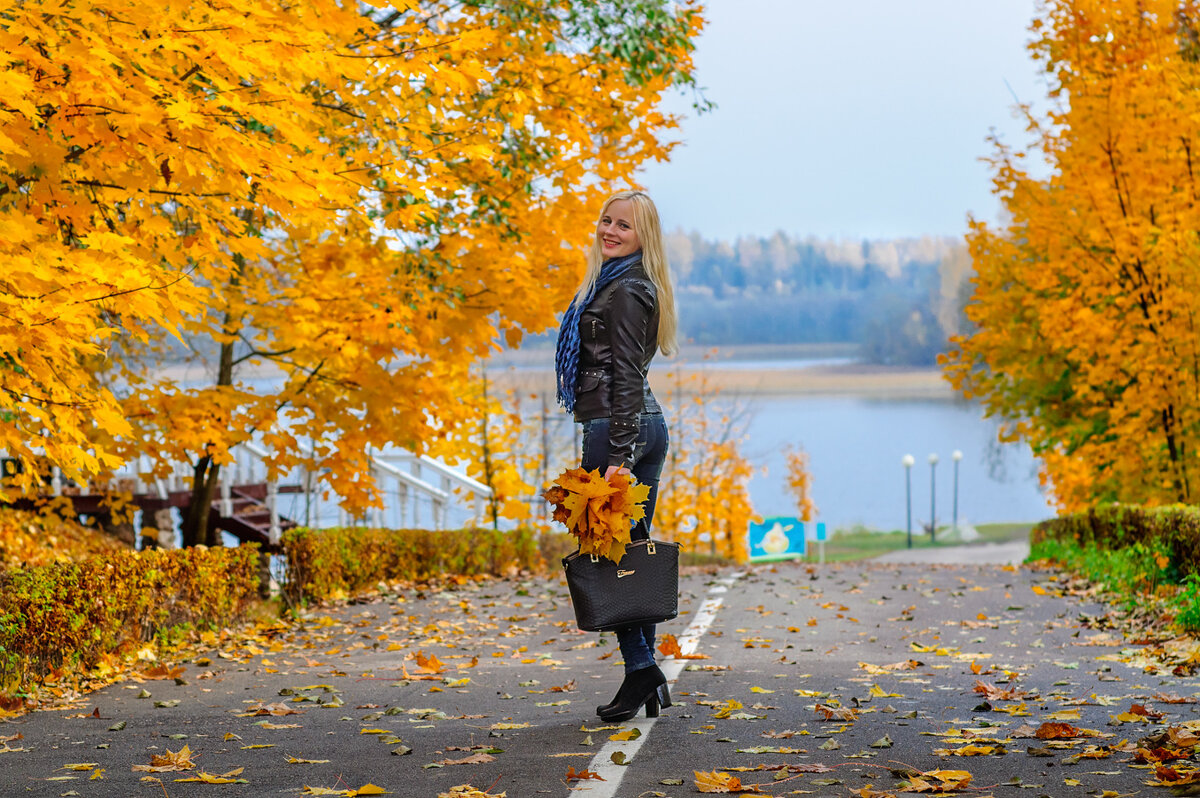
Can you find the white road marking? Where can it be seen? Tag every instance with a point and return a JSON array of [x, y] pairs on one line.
[[602, 764]]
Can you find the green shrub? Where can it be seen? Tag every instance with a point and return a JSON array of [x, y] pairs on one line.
[[1186, 604], [1131, 571], [72, 614], [336, 563], [1134, 551], [1172, 531]]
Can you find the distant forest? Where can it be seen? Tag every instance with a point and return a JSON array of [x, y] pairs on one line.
[[899, 299]]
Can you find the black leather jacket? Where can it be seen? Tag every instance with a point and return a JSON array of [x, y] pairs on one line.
[[618, 335]]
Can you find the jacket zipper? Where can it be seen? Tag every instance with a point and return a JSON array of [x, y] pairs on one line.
[[593, 329]]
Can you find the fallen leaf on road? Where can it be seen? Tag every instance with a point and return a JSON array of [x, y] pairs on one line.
[[270, 709], [428, 664], [968, 750], [171, 760], [994, 693], [938, 781], [474, 759], [714, 782], [836, 713], [1168, 776], [669, 647], [366, 789], [224, 778], [467, 791], [728, 708], [867, 792], [582, 775], [1056, 731], [876, 670]]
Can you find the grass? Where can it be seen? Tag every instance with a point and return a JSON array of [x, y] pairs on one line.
[[861, 544]]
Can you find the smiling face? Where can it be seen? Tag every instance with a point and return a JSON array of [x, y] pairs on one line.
[[615, 232]]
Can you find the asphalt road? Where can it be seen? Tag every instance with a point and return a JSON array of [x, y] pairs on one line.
[[803, 650]]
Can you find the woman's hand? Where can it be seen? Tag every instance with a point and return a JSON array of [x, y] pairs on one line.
[[615, 470]]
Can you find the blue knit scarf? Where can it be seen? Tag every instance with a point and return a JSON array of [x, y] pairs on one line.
[[566, 356]]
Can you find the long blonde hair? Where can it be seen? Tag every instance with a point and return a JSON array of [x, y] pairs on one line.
[[654, 259]]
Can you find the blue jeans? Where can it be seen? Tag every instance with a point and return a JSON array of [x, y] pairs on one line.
[[649, 456]]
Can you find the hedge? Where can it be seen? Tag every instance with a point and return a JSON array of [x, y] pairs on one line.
[[70, 615], [1175, 527], [336, 563], [40, 538]]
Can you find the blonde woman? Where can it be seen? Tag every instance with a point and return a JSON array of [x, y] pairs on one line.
[[622, 314]]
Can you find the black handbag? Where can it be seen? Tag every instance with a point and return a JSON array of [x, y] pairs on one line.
[[642, 588]]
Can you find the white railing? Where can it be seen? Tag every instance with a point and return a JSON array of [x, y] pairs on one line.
[[406, 482]]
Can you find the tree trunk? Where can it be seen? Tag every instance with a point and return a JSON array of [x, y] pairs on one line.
[[204, 489], [489, 475], [206, 472]]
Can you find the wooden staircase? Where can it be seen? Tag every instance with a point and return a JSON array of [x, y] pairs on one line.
[[246, 515]]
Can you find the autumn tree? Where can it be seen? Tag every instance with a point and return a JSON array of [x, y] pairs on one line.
[[1087, 294], [339, 207], [507, 445], [704, 502], [799, 481]]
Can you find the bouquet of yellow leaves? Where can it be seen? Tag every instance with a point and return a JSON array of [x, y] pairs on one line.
[[599, 512]]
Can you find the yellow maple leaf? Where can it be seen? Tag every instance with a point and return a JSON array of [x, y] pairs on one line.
[[729, 707], [171, 760], [429, 664], [209, 778], [716, 782], [967, 750]]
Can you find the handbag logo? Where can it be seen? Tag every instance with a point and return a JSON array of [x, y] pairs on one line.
[[622, 574]]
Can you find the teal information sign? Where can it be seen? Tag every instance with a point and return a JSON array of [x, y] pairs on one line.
[[776, 538]]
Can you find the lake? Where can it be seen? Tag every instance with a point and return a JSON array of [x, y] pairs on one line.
[[855, 447], [855, 444]]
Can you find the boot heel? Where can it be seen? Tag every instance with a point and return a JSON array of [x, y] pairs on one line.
[[652, 706], [664, 695]]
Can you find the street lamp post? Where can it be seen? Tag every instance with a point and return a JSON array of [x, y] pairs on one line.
[[957, 456], [933, 461], [907, 461]]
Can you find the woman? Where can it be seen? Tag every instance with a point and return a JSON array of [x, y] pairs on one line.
[[624, 311]]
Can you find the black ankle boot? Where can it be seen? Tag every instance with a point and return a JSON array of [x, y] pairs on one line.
[[600, 710], [645, 687]]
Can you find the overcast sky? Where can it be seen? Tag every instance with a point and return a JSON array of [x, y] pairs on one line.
[[847, 118]]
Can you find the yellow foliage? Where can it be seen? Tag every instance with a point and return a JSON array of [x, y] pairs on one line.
[[30, 539], [704, 499], [600, 513], [799, 482], [340, 239], [1086, 295]]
